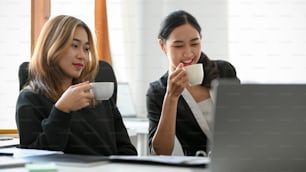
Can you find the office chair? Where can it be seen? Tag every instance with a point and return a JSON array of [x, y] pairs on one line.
[[105, 74]]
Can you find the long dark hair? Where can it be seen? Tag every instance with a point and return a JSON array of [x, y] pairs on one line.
[[181, 17]]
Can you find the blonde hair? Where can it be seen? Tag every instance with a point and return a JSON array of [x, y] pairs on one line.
[[55, 37]]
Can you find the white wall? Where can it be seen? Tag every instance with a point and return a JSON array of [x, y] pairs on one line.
[[141, 61], [267, 39], [14, 48]]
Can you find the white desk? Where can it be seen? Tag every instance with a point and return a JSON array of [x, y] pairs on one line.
[[104, 165], [116, 167], [138, 127]]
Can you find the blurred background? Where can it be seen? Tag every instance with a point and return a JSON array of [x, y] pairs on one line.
[[265, 40]]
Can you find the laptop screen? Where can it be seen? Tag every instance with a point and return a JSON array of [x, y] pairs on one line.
[[259, 127]]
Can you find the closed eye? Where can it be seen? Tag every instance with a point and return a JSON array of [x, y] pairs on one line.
[[178, 46], [195, 44]]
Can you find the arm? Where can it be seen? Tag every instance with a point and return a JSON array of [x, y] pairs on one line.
[[163, 134], [40, 124], [163, 139]]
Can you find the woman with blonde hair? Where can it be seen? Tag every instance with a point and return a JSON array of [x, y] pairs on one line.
[[56, 110]]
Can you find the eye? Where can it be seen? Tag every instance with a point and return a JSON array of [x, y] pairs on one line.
[[74, 45], [178, 46]]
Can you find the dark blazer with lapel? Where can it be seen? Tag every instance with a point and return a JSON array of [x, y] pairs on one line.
[[188, 131]]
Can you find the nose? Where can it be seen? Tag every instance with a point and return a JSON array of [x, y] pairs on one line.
[[188, 52], [82, 54]]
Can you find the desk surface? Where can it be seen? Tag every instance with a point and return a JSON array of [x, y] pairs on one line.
[[116, 167], [78, 163]]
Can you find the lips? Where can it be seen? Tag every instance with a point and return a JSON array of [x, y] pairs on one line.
[[78, 65]]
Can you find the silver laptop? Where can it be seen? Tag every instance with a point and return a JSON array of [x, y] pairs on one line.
[[259, 128], [125, 101]]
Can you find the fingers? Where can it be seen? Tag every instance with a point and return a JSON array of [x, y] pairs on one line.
[[83, 88], [76, 97], [177, 81], [179, 77], [86, 102], [179, 66], [80, 84]]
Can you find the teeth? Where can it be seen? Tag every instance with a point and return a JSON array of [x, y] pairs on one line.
[[187, 62]]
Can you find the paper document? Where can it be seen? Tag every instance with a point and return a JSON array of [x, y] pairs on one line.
[[9, 161], [166, 160], [8, 141], [22, 153], [70, 159]]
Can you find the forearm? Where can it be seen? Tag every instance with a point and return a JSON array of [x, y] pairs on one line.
[[57, 129], [163, 139]]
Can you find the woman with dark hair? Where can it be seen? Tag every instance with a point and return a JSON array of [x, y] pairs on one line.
[[56, 110], [176, 109]]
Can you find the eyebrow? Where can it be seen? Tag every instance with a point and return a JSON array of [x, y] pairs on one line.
[[195, 39], [75, 39], [179, 41]]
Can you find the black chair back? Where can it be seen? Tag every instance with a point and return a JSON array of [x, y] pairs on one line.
[[105, 74]]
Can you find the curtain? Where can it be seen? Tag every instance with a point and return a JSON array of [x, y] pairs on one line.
[[101, 30], [40, 13]]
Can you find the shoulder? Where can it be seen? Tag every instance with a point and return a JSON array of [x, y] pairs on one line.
[[159, 86], [105, 72], [28, 97], [26, 93], [226, 69]]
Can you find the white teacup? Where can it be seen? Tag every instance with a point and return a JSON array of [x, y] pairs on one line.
[[102, 90], [195, 73]]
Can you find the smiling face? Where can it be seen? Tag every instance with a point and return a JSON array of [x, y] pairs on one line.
[[182, 46], [74, 59]]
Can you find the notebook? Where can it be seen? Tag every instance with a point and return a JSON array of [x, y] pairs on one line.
[[259, 127]]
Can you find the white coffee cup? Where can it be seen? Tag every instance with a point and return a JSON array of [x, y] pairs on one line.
[[195, 73], [102, 90]]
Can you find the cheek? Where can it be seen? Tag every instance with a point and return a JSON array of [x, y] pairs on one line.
[[177, 52], [86, 58], [174, 57]]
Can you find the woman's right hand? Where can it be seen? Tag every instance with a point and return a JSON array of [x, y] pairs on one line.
[[177, 81], [75, 97]]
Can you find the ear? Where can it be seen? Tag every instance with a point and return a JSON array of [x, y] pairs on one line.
[[162, 45]]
